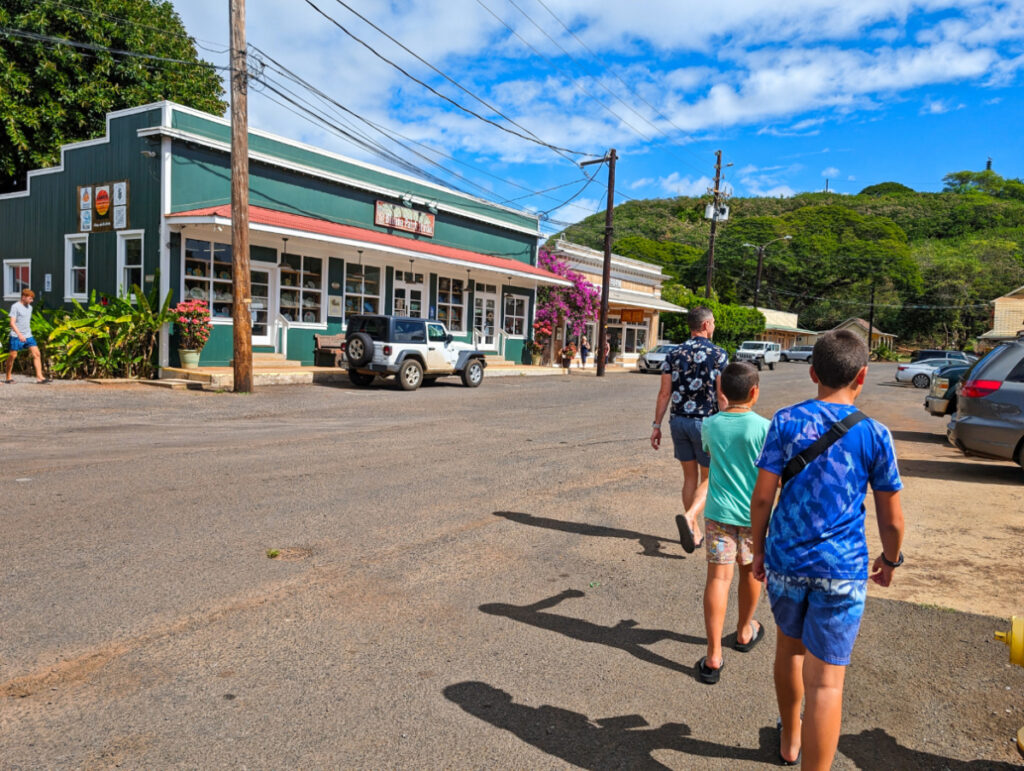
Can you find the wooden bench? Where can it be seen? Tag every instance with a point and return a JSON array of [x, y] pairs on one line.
[[327, 350]]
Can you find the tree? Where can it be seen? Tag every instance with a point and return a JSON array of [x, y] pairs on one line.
[[987, 182], [576, 305], [52, 94], [733, 324], [886, 188]]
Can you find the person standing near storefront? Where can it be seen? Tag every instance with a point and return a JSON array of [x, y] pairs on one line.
[[584, 351], [21, 336], [689, 380]]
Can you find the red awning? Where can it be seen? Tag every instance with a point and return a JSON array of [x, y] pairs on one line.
[[300, 224]]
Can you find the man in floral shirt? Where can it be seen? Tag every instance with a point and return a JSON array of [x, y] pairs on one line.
[[689, 378]]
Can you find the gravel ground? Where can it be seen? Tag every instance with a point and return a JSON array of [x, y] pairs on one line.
[[467, 579]]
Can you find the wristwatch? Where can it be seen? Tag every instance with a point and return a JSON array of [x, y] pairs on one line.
[[655, 425], [890, 563]]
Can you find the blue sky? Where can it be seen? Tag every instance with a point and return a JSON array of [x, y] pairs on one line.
[[792, 93]]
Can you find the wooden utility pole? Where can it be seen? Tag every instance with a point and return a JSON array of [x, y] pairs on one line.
[[715, 199], [241, 308], [871, 318], [606, 273]]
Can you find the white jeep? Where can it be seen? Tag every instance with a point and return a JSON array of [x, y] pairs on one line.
[[759, 353], [414, 351]]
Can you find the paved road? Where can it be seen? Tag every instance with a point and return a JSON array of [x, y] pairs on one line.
[[469, 579]]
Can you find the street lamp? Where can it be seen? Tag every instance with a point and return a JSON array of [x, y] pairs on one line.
[[760, 262]]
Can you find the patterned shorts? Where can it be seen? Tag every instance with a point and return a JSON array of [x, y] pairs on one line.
[[823, 613], [727, 544]]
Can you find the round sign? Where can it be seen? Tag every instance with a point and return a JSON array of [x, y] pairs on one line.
[[102, 202]]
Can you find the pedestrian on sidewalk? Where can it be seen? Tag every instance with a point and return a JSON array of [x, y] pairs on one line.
[[812, 552], [584, 351], [21, 337]]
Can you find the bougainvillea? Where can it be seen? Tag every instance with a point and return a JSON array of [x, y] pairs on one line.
[[578, 304]]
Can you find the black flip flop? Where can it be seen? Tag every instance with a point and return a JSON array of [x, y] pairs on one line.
[[749, 644], [706, 673], [782, 760], [45, 381], [9, 382], [685, 534]]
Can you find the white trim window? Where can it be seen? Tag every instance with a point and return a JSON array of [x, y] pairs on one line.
[[76, 267], [407, 298], [129, 261], [634, 338], [363, 287], [206, 268], [515, 315], [451, 303], [302, 288], [17, 276]]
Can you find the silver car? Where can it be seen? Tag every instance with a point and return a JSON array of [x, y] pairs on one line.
[[989, 420], [798, 353], [651, 360]]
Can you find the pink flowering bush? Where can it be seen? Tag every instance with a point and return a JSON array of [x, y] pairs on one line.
[[192, 318], [577, 304]]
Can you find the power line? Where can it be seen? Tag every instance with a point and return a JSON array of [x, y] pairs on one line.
[[554, 148], [578, 193]]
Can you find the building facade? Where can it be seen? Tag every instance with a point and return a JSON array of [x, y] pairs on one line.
[[860, 326], [634, 300], [149, 205], [781, 327], [1007, 319]]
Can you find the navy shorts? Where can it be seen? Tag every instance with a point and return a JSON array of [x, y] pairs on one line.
[[823, 613], [686, 440], [17, 345]]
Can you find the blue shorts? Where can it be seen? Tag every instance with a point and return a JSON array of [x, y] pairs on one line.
[[17, 345], [686, 440], [824, 613]]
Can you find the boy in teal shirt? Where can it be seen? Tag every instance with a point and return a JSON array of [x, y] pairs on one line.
[[733, 438]]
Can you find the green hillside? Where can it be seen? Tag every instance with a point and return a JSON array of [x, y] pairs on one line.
[[935, 259]]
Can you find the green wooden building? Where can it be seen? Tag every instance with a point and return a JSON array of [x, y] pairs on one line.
[[329, 237]]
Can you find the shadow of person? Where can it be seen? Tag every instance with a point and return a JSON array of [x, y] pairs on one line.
[[618, 742], [876, 749], [651, 544], [625, 636]]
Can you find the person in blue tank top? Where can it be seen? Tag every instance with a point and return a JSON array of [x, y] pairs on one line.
[[812, 552]]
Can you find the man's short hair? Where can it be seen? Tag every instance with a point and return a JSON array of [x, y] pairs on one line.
[[838, 356], [737, 380], [28, 293], [696, 317]]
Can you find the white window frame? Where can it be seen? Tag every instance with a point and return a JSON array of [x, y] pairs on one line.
[[464, 323], [9, 289], [362, 295], [209, 281], [122, 237], [69, 241], [301, 291], [506, 316], [422, 286]]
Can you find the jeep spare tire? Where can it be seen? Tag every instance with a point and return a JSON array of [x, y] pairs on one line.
[[359, 349], [410, 376], [473, 374]]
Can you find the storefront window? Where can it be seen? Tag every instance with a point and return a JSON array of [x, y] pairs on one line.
[[409, 290], [76, 267], [362, 289], [515, 315], [302, 288], [208, 275], [451, 303], [17, 276]]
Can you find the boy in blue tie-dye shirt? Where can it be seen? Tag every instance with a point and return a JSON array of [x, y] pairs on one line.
[[814, 555]]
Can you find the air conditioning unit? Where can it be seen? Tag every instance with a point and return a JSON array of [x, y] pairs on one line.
[[711, 213]]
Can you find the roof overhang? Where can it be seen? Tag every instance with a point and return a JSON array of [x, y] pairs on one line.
[[300, 226], [641, 300]]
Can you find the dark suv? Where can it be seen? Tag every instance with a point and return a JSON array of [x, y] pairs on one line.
[[989, 420], [414, 351]]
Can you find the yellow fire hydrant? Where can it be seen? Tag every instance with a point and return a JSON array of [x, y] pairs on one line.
[[1015, 639]]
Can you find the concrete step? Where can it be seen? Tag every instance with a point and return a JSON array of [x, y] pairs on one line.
[[272, 361]]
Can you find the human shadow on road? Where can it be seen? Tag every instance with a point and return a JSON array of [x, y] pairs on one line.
[[651, 544], [876, 749], [965, 470], [626, 635], [618, 742]]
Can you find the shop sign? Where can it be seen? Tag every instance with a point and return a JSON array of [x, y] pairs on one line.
[[615, 283], [103, 207], [392, 215], [631, 316]]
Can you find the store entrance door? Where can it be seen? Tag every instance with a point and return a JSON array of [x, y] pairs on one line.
[[485, 311], [262, 308]]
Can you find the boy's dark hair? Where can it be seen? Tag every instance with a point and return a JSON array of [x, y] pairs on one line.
[[696, 317], [737, 380], [838, 356]]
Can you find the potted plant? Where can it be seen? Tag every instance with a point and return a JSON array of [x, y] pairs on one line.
[[566, 354], [192, 318], [541, 338]]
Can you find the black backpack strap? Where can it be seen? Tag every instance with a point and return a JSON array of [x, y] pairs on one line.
[[820, 445]]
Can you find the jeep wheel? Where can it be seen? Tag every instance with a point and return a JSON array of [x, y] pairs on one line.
[[361, 379], [921, 381], [759, 364], [473, 374], [410, 376], [359, 349], [771, 365]]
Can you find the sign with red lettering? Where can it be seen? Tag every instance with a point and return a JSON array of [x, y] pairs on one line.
[[391, 215]]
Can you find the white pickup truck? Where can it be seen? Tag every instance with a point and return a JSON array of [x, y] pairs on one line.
[[759, 353]]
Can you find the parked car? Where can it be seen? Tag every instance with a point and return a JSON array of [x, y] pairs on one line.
[[920, 373], [759, 353], [413, 351], [934, 353], [989, 421], [941, 400], [651, 360], [797, 353]]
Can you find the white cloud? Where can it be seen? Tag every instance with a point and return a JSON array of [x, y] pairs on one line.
[[831, 172], [939, 106], [851, 178], [994, 100], [676, 184], [641, 183]]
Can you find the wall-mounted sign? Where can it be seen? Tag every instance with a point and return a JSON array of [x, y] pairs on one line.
[[392, 215], [103, 207], [615, 283], [631, 316]]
